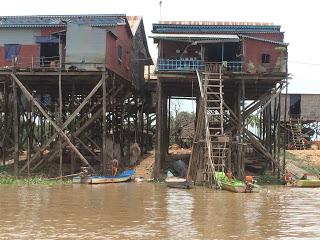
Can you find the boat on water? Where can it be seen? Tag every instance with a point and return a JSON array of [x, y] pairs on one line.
[[122, 177], [177, 182], [307, 183], [234, 185]]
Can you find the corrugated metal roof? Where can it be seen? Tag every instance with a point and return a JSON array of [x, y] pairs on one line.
[[203, 29], [197, 37], [61, 20], [217, 23]]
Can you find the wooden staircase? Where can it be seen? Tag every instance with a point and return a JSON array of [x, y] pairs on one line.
[[297, 137]]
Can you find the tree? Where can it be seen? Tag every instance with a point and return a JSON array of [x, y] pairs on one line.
[[178, 121]]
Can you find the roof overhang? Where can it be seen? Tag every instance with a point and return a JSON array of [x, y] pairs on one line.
[[264, 40], [197, 38]]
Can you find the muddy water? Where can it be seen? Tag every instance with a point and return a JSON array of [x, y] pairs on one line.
[[152, 211]]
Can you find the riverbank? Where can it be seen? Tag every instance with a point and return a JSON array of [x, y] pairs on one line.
[[298, 162]]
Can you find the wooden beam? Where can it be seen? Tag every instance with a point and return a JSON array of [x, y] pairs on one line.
[[65, 124], [104, 127], [15, 128], [94, 117], [54, 125], [60, 114]]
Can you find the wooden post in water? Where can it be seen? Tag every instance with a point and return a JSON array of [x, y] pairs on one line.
[[285, 127], [15, 128], [29, 132], [73, 159], [104, 122]]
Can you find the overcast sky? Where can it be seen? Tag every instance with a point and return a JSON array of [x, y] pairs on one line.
[[299, 20]]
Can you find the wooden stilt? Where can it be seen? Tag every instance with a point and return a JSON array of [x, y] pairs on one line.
[[104, 122], [15, 127], [60, 121], [53, 124], [73, 158]]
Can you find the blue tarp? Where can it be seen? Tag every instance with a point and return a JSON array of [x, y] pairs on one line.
[[11, 51]]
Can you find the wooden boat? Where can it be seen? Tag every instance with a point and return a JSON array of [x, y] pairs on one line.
[[122, 177], [308, 183], [176, 182], [236, 186]]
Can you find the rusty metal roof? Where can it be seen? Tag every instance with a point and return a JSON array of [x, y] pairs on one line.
[[94, 20], [206, 27], [197, 37]]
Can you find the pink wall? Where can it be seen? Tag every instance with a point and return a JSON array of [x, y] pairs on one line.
[[112, 63], [25, 56], [254, 49]]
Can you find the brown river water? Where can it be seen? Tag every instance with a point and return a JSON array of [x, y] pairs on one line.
[[152, 211]]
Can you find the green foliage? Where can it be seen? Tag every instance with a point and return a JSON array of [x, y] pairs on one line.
[[9, 180]]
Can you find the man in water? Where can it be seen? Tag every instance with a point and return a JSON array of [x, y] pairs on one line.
[[114, 168]]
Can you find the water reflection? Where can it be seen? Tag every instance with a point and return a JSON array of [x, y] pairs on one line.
[[152, 211], [179, 209]]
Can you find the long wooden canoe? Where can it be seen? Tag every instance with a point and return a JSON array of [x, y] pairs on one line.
[[176, 182], [122, 177]]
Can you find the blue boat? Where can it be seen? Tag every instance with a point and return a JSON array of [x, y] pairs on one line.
[[121, 177]]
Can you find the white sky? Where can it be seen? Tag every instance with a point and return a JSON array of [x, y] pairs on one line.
[[299, 20]]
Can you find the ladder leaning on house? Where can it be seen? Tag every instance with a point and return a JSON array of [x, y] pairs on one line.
[[211, 120], [214, 114]]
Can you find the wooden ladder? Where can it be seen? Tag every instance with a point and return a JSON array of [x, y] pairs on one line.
[[216, 141]]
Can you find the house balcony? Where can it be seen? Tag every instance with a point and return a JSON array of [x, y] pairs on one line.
[[179, 65], [192, 65]]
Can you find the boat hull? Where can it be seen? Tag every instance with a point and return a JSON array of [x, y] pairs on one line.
[[122, 177], [237, 188], [174, 182], [101, 180], [306, 183], [235, 185]]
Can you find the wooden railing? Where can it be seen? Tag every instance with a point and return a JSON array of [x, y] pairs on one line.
[[33, 63], [180, 65], [187, 65]]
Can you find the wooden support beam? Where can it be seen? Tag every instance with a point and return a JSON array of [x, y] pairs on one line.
[[104, 127], [94, 117], [72, 105], [259, 147], [15, 128], [65, 124], [54, 125], [60, 116], [86, 147]]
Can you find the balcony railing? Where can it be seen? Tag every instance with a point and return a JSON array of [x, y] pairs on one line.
[[233, 66], [187, 65], [228, 66], [180, 65]]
